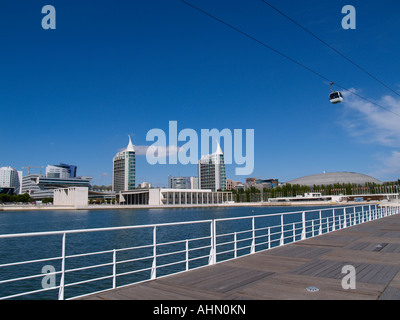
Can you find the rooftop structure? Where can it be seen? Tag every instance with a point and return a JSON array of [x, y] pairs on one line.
[[334, 177], [62, 170]]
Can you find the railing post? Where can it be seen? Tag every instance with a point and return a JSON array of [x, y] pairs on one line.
[[114, 269], [313, 228], [187, 255], [333, 222], [294, 232], [303, 231], [62, 281], [213, 250], [282, 241], [362, 213], [154, 266], [345, 218], [320, 222], [253, 242], [269, 237], [354, 219], [235, 245]]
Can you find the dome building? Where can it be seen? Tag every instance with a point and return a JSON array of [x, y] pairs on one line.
[[328, 178]]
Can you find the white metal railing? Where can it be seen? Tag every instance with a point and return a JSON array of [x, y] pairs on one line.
[[222, 239]]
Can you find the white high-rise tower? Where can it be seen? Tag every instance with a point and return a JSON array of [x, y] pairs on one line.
[[212, 171], [124, 169]]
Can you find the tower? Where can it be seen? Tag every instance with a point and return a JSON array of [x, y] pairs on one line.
[[124, 169], [212, 171]]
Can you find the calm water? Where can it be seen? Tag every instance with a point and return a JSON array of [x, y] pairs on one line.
[[23, 249]]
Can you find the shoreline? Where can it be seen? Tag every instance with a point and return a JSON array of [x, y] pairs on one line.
[[223, 205]]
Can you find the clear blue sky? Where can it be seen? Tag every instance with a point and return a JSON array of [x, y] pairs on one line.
[[113, 68]]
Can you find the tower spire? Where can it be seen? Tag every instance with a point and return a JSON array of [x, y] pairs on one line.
[[130, 145], [219, 150]]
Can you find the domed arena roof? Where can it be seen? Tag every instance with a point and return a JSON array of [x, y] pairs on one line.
[[334, 177]]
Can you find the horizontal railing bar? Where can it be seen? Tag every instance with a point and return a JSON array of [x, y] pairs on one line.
[[87, 281], [29, 292], [29, 277], [50, 233], [31, 261], [134, 248], [197, 258], [88, 254], [181, 241], [135, 271], [170, 253], [89, 267], [230, 250], [170, 264], [283, 213], [135, 259], [199, 248]]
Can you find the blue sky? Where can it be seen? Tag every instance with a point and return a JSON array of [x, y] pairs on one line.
[[113, 68]]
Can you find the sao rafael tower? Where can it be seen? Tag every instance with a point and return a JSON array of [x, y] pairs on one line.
[[124, 169]]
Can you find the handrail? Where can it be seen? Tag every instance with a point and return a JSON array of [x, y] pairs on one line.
[[236, 243]]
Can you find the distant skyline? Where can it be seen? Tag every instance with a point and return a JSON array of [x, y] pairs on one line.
[[116, 68]]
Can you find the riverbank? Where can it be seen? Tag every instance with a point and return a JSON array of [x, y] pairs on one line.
[[124, 207]]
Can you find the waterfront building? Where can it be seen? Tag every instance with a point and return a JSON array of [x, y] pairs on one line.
[[176, 197], [71, 197], [145, 185], [11, 178], [39, 186], [63, 171], [124, 169], [212, 171], [183, 182], [230, 184], [261, 184], [330, 178]]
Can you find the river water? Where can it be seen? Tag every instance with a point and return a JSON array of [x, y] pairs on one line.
[[33, 248]]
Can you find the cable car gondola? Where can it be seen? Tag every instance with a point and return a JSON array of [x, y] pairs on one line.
[[335, 96]]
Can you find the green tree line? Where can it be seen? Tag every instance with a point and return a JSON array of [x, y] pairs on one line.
[[253, 194], [6, 198]]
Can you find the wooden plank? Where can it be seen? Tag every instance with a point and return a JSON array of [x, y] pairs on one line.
[[268, 262], [390, 293], [306, 267], [324, 268], [186, 291]]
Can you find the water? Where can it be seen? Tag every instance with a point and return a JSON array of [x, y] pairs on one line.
[[22, 249]]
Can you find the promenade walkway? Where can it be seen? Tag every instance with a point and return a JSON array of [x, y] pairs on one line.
[[286, 272]]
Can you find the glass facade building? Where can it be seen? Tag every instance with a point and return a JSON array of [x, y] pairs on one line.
[[124, 169], [212, 173]]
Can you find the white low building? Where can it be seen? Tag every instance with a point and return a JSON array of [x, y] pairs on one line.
[[71, 197], [164, 196]]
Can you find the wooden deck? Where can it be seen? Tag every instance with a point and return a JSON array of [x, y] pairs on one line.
[[284, 273]]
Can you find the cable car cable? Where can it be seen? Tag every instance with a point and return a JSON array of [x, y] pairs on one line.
[[331, 47], [284, 55]]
